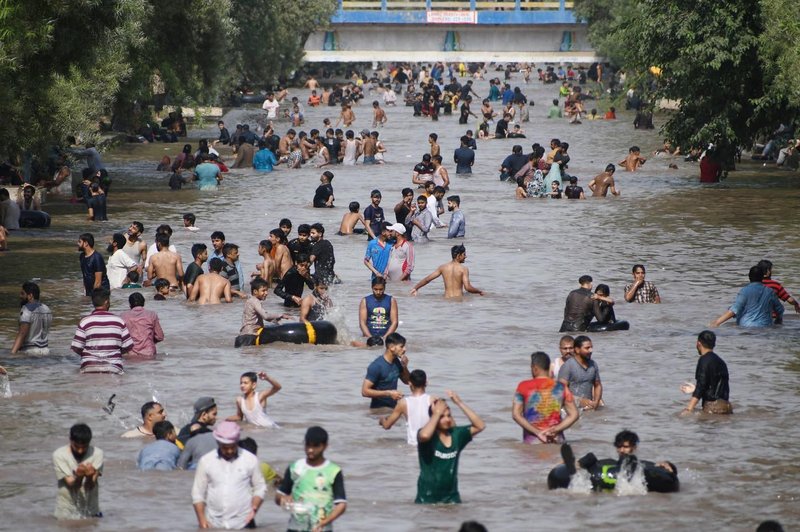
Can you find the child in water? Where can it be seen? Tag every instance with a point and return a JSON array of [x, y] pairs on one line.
[[251, 404]]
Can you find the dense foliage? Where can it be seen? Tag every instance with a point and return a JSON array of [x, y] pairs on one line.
[[733, 66], [68, 63]]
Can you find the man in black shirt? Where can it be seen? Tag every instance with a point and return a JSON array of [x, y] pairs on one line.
[[301, 245], [322, 254], [423, 170], [333, 145], [501, 129], [513, 163], [290, 287], [712, 379], [464, 157], [323, 197], [581, 307]]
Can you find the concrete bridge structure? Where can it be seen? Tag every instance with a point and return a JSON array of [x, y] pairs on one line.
[[538, 31]]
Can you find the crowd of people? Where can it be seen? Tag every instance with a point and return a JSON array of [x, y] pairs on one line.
[[230, 482]]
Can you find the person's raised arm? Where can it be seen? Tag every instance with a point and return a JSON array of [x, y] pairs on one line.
[[429, 429], [477, 423], [630, 293], [275, 387]]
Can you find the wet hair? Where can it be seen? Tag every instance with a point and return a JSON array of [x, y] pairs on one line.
[[350, 134], [162, 239], [100, 297], [395, 339], [378, 280], [626, 436], [433, 136], [580, 340], [160, 283], [567, 338], [541, 360], [354, 206], [302, 258], [291, 132], [319, 228], [439, 190], [138, 225], [328, 174], [426, 157], [303, 229], [218, 235], [316, 436], [280, 234], [227, 248], [455, 199], [31, 289], [147, 407], [285, 222], [372, 341], [583, 279], [163, 429], [136, 299], [252, 376], [319, 280], [708, 339], [455, 251], [573, 179], [465, 140], [634, 149], [521, 181], [602, 289], [189, 217], [197, 249], [418, 378], [472, 526], [249, 445], [133, 276], [636, 267], [555, 101], [756, 274], [564, 146], [86, 237], [767, 526], [266, 244], [375, 194], [611, 168], [215, 264], [80, 434], [257, 283], [187, 148], [406, 191], [555, 141]]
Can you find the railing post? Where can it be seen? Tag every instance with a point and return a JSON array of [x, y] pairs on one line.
[[427, 5], [383, 5], [472, 5], [340, 6], [562, 5]]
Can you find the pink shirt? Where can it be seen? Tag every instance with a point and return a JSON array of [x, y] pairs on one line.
[[145, 330]]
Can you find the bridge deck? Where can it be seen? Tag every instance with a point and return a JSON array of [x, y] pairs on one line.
[[454, 12]]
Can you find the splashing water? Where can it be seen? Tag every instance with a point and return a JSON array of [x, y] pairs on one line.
[[635, 486], [580, 483], [5, 386]]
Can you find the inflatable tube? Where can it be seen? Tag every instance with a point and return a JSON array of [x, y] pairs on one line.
[[253, 98], [604, 473], [315, 332], [603, 327], [34, 219]]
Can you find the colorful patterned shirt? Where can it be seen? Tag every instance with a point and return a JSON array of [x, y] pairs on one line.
[[542, 399]]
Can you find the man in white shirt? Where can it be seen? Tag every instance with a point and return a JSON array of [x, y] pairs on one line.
[[271, 106], [228, 486], [120, 263]]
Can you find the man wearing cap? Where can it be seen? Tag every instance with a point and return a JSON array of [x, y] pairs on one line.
[[313, 488], [401, 257], [228, 486], [205, 415], [376, 258]]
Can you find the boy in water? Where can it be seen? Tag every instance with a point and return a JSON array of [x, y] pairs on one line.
[[378, 115], [634, 159], [250, 405], [254, 316], [162, 289], [415, 409], [350, 219], [265, 270]]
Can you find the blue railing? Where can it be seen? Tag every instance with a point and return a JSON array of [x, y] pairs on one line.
[[454, 12]]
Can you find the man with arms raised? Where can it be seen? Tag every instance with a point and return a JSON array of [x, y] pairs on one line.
[[454, 275]]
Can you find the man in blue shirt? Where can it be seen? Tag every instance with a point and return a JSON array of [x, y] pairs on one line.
[[264, 159], [376, 258], [464, 157], [162, 454], [380, 383], [755, 305], [458, 225]]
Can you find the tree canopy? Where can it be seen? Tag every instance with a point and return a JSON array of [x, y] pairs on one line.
[[734, 66], [68, 64]]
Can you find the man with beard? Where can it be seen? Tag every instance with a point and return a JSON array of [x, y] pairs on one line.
[[78, 468]]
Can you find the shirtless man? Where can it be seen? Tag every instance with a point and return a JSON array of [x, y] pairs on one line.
[[265, 270], [369, 147], [634, 159], [350, 219], [280, 253], [210, 287], [454, 275], [165, 264], [347, 117], [285, 144], [378, 115], [602, 182]]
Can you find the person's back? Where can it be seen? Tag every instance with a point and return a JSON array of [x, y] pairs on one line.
[[160, 455], [464, 159], [601, 184], [578, 310], [196, 447], [39, 317], [144, 328], [416, 415], [712, 376], [755, 304], [212, 287]]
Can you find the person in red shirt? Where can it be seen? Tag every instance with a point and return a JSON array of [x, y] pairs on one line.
[[710, 169], [780, 291]]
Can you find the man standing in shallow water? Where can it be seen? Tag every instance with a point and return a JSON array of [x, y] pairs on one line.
[[603, 182], [78, 468], [711, 378], [454, 275]]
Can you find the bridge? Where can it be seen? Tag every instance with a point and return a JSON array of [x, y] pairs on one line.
[[536, 31]]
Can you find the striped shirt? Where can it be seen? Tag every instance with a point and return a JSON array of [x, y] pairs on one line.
[[100, 340], [778, 288]]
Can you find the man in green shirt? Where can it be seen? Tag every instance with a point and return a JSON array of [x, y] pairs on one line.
[[440, 445]]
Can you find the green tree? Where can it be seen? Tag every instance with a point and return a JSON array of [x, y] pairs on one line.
[[272, 34]]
